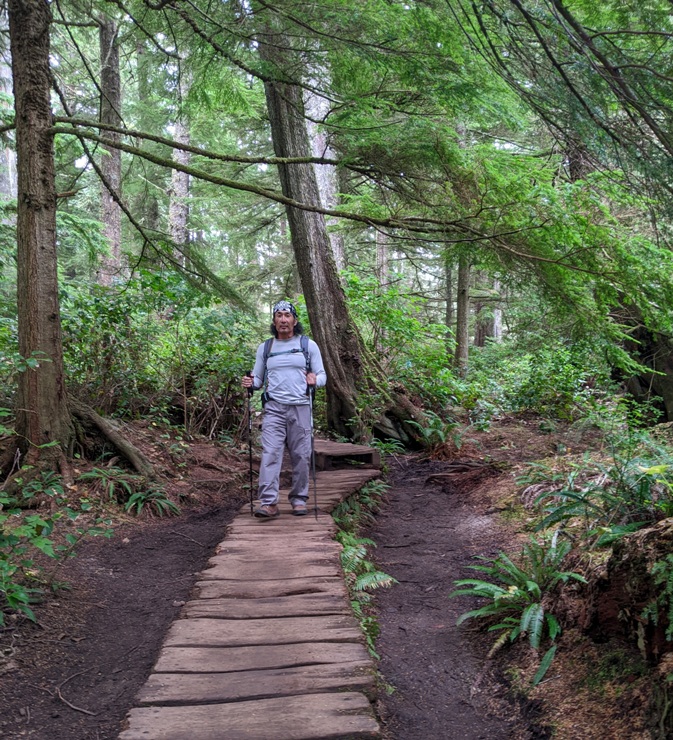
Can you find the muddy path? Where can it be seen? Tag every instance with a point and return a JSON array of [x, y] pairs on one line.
[[440, 682]]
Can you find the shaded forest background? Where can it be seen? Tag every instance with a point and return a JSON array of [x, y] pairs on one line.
[[471, 205]]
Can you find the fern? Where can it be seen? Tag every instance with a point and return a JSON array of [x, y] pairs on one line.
[[662, 573]]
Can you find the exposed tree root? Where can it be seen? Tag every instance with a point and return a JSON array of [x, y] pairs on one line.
[[89, 417]]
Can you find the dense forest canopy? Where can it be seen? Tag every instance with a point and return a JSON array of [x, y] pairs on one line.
[[435, 182]]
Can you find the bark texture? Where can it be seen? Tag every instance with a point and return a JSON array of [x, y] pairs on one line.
[[178, 207], [318, 109], [42, 416], [462, 315], [111, 162]]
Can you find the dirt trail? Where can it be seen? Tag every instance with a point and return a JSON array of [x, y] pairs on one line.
[[74, 675], [426, 537]]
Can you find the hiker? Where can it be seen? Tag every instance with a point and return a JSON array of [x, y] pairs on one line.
[[290, 370]]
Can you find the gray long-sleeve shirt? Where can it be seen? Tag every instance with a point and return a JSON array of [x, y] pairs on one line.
[[286, 370]]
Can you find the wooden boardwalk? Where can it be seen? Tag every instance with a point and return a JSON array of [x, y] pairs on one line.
[[268, 649]]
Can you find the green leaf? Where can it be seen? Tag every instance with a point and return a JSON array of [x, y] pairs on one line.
[[544, 665]]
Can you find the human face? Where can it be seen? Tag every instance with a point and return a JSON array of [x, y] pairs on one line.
[[284, 322]]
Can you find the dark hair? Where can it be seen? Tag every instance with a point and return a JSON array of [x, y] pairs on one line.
[[298, 329]]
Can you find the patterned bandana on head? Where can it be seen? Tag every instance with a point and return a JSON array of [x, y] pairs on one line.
[[285, 306]]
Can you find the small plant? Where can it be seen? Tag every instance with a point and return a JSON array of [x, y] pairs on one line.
[[24, 535], [438, 433], [662, 573], [117, 484], [516, 594], [155, 499], [359, 510], [362, 576]]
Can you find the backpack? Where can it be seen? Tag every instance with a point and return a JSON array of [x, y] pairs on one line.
[[303, 341]]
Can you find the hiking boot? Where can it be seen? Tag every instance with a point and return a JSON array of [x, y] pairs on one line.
[[299, 508], [267, 511]]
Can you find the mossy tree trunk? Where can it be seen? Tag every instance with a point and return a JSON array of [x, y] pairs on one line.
[[43, 424]]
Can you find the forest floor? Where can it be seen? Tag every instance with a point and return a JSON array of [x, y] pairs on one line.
[[73, 675]]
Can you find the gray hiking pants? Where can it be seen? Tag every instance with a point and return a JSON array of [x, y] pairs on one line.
[[284, 425]]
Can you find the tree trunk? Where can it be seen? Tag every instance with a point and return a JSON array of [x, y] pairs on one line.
[[462, 315], [317, 109], [7, 154], [178, 207], [448, 312], [497, 314], [43, 423], [139, 461], [111, 161], [146, 202], [331, 326]]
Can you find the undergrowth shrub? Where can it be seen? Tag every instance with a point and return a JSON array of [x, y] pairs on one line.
[[26, 534], [413, 352], [158, 346], [362, 576], [557, 379], [605, 495], [517, 595]]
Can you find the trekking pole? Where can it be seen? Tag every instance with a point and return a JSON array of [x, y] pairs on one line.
[[250, 392], [311, 393]]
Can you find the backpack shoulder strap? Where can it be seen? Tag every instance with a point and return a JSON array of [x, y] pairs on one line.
[[303, 340], [265, 356]]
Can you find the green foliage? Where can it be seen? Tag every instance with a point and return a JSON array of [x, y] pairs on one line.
[[602, 499], [362, 576], [412, 351], [551, 377], [115, 484], [157, 346], [155, 499], [517, 595], [25, 535], [437, 432], [662, 575]]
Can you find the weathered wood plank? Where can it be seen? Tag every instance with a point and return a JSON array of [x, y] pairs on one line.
[[225, 632], [305, 717], [272, 570], [207, 688], [281, 549], [229, 659], [263, 589], [299, 605]]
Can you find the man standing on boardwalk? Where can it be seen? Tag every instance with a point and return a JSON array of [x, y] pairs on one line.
[[289, 367]]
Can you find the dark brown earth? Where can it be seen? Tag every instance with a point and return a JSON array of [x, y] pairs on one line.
[[74, 674], [426, 537]]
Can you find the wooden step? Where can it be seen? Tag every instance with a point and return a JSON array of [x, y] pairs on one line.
[[328, 453], [326, 716]]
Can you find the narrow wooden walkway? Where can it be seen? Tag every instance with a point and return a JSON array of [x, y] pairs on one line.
[[268, 649]]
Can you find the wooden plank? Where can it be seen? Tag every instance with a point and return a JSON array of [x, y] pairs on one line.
[[229, 659], [226, 632], [264, 589], [281, 548], [272, 570], [297, 526], [191, 688], [302, 605], [306, 717], [265, 532]]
